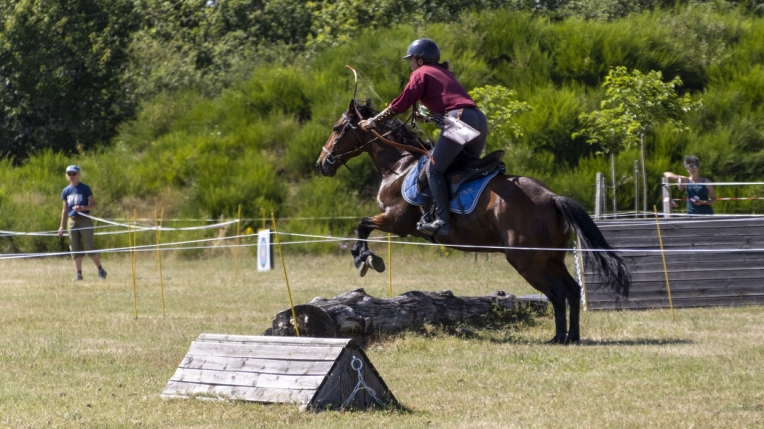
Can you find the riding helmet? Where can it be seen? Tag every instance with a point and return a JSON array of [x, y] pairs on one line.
[[424, 48]]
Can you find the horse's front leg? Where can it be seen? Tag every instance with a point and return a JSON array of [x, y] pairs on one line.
[[363, 257]]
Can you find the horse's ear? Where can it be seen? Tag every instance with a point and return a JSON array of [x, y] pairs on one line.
[[351, 107], [368, 103]]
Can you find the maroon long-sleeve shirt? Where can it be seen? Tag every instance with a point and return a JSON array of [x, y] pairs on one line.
[[436, 88]]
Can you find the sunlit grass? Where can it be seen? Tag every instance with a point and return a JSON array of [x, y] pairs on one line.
[[74, 355]]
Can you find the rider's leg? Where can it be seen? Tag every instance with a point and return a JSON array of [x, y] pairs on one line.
[[444, 153], [477, 120]]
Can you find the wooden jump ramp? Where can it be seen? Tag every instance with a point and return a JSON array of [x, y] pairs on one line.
[[316, 373]]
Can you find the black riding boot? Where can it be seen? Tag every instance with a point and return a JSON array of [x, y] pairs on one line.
[[439, 189]]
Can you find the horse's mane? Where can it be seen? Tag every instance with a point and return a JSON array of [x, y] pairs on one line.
[[400, 133]]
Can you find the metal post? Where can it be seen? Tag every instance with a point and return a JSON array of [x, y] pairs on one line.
[[666, 191], [636, 189], [612, 179], [603, 193], [598, 196]]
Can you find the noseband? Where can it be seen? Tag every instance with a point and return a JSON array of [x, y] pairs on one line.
[[331, 157]]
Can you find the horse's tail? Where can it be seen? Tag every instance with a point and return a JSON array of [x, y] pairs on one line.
[[611, 267]]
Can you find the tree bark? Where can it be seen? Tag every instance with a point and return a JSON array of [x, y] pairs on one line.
[[356, 314]]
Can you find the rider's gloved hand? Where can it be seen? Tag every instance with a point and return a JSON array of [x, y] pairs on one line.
[[367, 124]]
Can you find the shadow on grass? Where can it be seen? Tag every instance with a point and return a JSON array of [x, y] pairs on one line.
[[637, 342]]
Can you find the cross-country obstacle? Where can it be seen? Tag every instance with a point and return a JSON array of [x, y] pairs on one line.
[[709, 261], [316, 373]]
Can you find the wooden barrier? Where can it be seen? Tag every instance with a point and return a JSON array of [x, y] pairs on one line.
[[727, 275], [317, 373]]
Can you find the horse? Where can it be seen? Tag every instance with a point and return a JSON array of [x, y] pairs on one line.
[[518, 216]]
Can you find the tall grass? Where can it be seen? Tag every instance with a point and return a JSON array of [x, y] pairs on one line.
[[75, 356]]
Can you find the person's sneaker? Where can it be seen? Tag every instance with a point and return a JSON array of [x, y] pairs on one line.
[[102, 273], [77, 278]]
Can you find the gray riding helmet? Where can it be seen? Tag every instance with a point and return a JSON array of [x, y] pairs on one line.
[[424, 48]]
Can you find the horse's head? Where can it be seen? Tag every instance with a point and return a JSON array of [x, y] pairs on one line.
[[346, 141]]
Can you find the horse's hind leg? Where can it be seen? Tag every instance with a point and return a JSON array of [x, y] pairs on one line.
[[573, 295]]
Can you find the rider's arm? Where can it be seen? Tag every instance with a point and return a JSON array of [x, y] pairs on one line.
[[413, 92]]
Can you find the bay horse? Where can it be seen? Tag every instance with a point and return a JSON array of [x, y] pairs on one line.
[[518, 216]]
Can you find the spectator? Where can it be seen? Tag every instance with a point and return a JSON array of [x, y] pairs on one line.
[[700, 198], [78, 201]]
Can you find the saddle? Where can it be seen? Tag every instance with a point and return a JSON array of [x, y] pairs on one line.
[[464, 168]]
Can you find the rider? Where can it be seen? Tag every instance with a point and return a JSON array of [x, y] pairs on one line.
[[433, 84]]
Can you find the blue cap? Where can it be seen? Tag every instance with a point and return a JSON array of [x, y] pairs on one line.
[[75, 168]]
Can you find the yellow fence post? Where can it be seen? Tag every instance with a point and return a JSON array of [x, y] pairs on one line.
[[236, 249], [390, 264], [286, 279], [131, 252], [663, 255], [158, 225]]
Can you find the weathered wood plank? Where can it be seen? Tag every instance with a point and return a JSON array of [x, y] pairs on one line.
[[679, 294], [268, 340], [265, 351], [689, 302], [254, 394], [680, 285], [722, 275], [247, 379], [263, 366], [655, 263]]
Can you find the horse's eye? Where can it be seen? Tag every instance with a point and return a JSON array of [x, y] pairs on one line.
[[336, 129]]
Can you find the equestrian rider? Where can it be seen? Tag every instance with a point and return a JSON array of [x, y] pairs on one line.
[[433, 84]]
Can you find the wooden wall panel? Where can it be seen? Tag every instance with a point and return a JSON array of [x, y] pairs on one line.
[[715, 261]]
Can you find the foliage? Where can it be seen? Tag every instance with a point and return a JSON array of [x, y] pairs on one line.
[[62, 68], [245, 125], [499, 105]]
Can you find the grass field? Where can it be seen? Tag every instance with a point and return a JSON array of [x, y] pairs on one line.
[[74, 355]]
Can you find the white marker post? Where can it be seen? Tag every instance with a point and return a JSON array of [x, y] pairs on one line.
[[264, 260]]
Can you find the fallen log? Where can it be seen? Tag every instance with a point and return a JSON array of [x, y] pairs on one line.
[[356, 314]]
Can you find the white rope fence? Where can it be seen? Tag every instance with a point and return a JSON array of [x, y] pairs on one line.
[[317, 239]]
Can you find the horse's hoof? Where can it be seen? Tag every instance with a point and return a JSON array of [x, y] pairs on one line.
[[572, 340], [558, 340], [376, 262], [363, 269]]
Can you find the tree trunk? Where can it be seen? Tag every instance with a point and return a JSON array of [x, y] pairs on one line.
[[356, 314]]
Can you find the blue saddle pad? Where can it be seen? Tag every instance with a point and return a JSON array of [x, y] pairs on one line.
[[463, 202]]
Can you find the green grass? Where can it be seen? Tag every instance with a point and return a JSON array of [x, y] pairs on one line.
[[73, 355]]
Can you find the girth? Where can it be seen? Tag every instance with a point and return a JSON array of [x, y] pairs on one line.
[[464, 168]]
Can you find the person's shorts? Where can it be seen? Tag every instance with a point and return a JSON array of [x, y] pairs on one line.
[[80, 230]]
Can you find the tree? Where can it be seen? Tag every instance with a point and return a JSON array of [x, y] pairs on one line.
[[500, 106], [634, 103], [613, 130], [61, 64]]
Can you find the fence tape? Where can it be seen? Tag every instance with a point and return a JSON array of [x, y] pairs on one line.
[[316, 239]]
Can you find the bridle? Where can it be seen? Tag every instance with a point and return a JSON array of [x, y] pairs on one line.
[[331, 157]]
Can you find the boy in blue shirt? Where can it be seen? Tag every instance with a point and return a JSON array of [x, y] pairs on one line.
[[78, 200]]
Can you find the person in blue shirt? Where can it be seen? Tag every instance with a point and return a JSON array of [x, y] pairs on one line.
[[78, 201], [700, 197]]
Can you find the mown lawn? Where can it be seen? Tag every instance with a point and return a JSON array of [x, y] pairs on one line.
[[74, 355]]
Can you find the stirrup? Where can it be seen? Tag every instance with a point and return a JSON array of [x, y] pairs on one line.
[[432, 228]]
